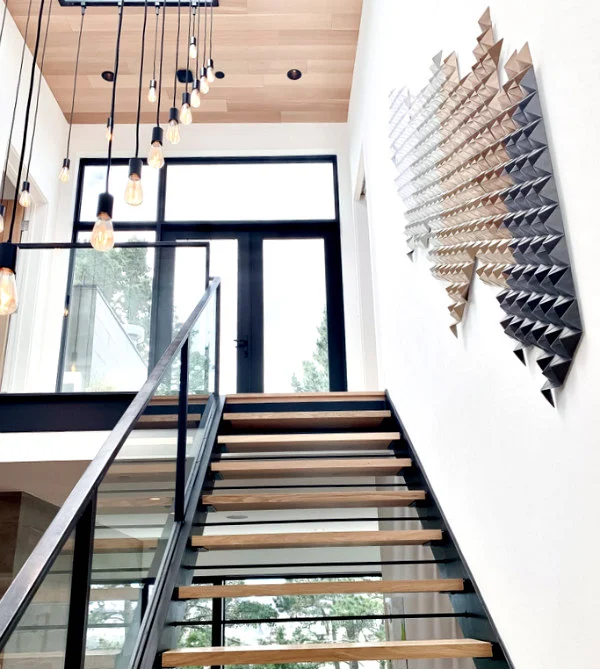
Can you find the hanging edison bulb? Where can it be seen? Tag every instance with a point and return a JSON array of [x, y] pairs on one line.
[[186, 109], [103, 234], [193, 48], [108, 133], [65, 171], [204, 87], [2, 215], [196, 99], [134, 195], [210, 71], [156, 158], [8, 284], [25, 195], [152, 94], [173, 130]]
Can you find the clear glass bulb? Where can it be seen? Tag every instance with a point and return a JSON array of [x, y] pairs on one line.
[[134, 195], [195, 98], [186, 114], [204, 87], [103, 234], [64, 175], [25, 199], [152, 95], [193, 51], [108, 133], [1, 223], [173, 132], [210, 74], [8, 292], [155, 156]]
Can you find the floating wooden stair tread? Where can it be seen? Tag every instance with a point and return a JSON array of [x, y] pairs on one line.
[[316, 539], [333, 441], [306, 419], [313, 500], [327, 652], [173, 400], [124, 545], [164, 421], [272, 398], [319, 588], [244, 469]]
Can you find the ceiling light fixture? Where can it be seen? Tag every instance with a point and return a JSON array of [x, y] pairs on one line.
[[210, 64], [8, 250], [134, 195], [204, 86], [65, 172], [219, 75], [173, 129], [193, 47], [156, 159], [108, 75], [103, 235], [196, 98], [25, 196], [152, 96], [186, 109], [294, 74]]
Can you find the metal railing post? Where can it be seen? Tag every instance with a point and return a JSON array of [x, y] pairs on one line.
[[182, 433], [218, 341]]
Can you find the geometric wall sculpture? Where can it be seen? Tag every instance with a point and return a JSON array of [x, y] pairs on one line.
[[475, 174]]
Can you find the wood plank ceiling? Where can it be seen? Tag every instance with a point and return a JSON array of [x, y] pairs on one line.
[[255, 43]]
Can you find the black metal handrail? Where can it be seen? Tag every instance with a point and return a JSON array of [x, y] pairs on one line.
[[20, 593]]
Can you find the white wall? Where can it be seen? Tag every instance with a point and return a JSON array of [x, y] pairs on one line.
[[517, 479], [38, 302]]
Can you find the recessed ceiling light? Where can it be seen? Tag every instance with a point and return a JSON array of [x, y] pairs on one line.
[[237, 516], [294, 74], [220, 75], [108, 75]]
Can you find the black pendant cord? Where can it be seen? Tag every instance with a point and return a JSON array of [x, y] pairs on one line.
[[162, 53], [198, 19], [157, 11], [75, 79], [14, 112], [177, 53], [3, 19], [39, 90], [114, 93], [205, 27], [187, 62], [139, 105], [36, 50], [211, 31]]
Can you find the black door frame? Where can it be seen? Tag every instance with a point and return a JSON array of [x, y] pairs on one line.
[[250, 235]]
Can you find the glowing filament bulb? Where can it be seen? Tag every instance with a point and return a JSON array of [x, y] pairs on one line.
[[103, 234], [8, 292], [195, 99], [25, 196], [65, 171], [152, 95], [156, 158]]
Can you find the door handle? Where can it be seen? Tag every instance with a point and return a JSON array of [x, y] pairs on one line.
[[243, 345]]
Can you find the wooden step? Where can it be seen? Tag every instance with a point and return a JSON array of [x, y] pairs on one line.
[[112, 503], [313, 500], [272, 398], [245, 469], [327, 652], [173, 400], [166, 421], [333, 441], [297, 420], [319, 588], [316, 539]]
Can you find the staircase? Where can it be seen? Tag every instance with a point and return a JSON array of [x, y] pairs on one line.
[[291, 480]]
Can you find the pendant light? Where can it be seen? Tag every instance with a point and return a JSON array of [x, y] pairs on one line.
[[186, 109], [152, 94], [65, 172], [210, 65], [193, 42], [103, 235], [134, 194], [25, 196], [173, 128], [12, 123], [8, 250], [204, 87], [195, 98], [156, 159]]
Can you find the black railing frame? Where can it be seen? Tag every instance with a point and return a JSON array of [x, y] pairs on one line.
[[73, 514]]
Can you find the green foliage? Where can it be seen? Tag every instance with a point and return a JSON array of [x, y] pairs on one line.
[[315, 372]]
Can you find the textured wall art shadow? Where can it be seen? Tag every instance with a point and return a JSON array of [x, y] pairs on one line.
[[475, 174]]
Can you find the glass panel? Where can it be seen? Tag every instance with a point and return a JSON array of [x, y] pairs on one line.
[[251, 192], [295, 307], [40, 637], [190, 278], [108, 330], [223, 264], [94, 183]]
